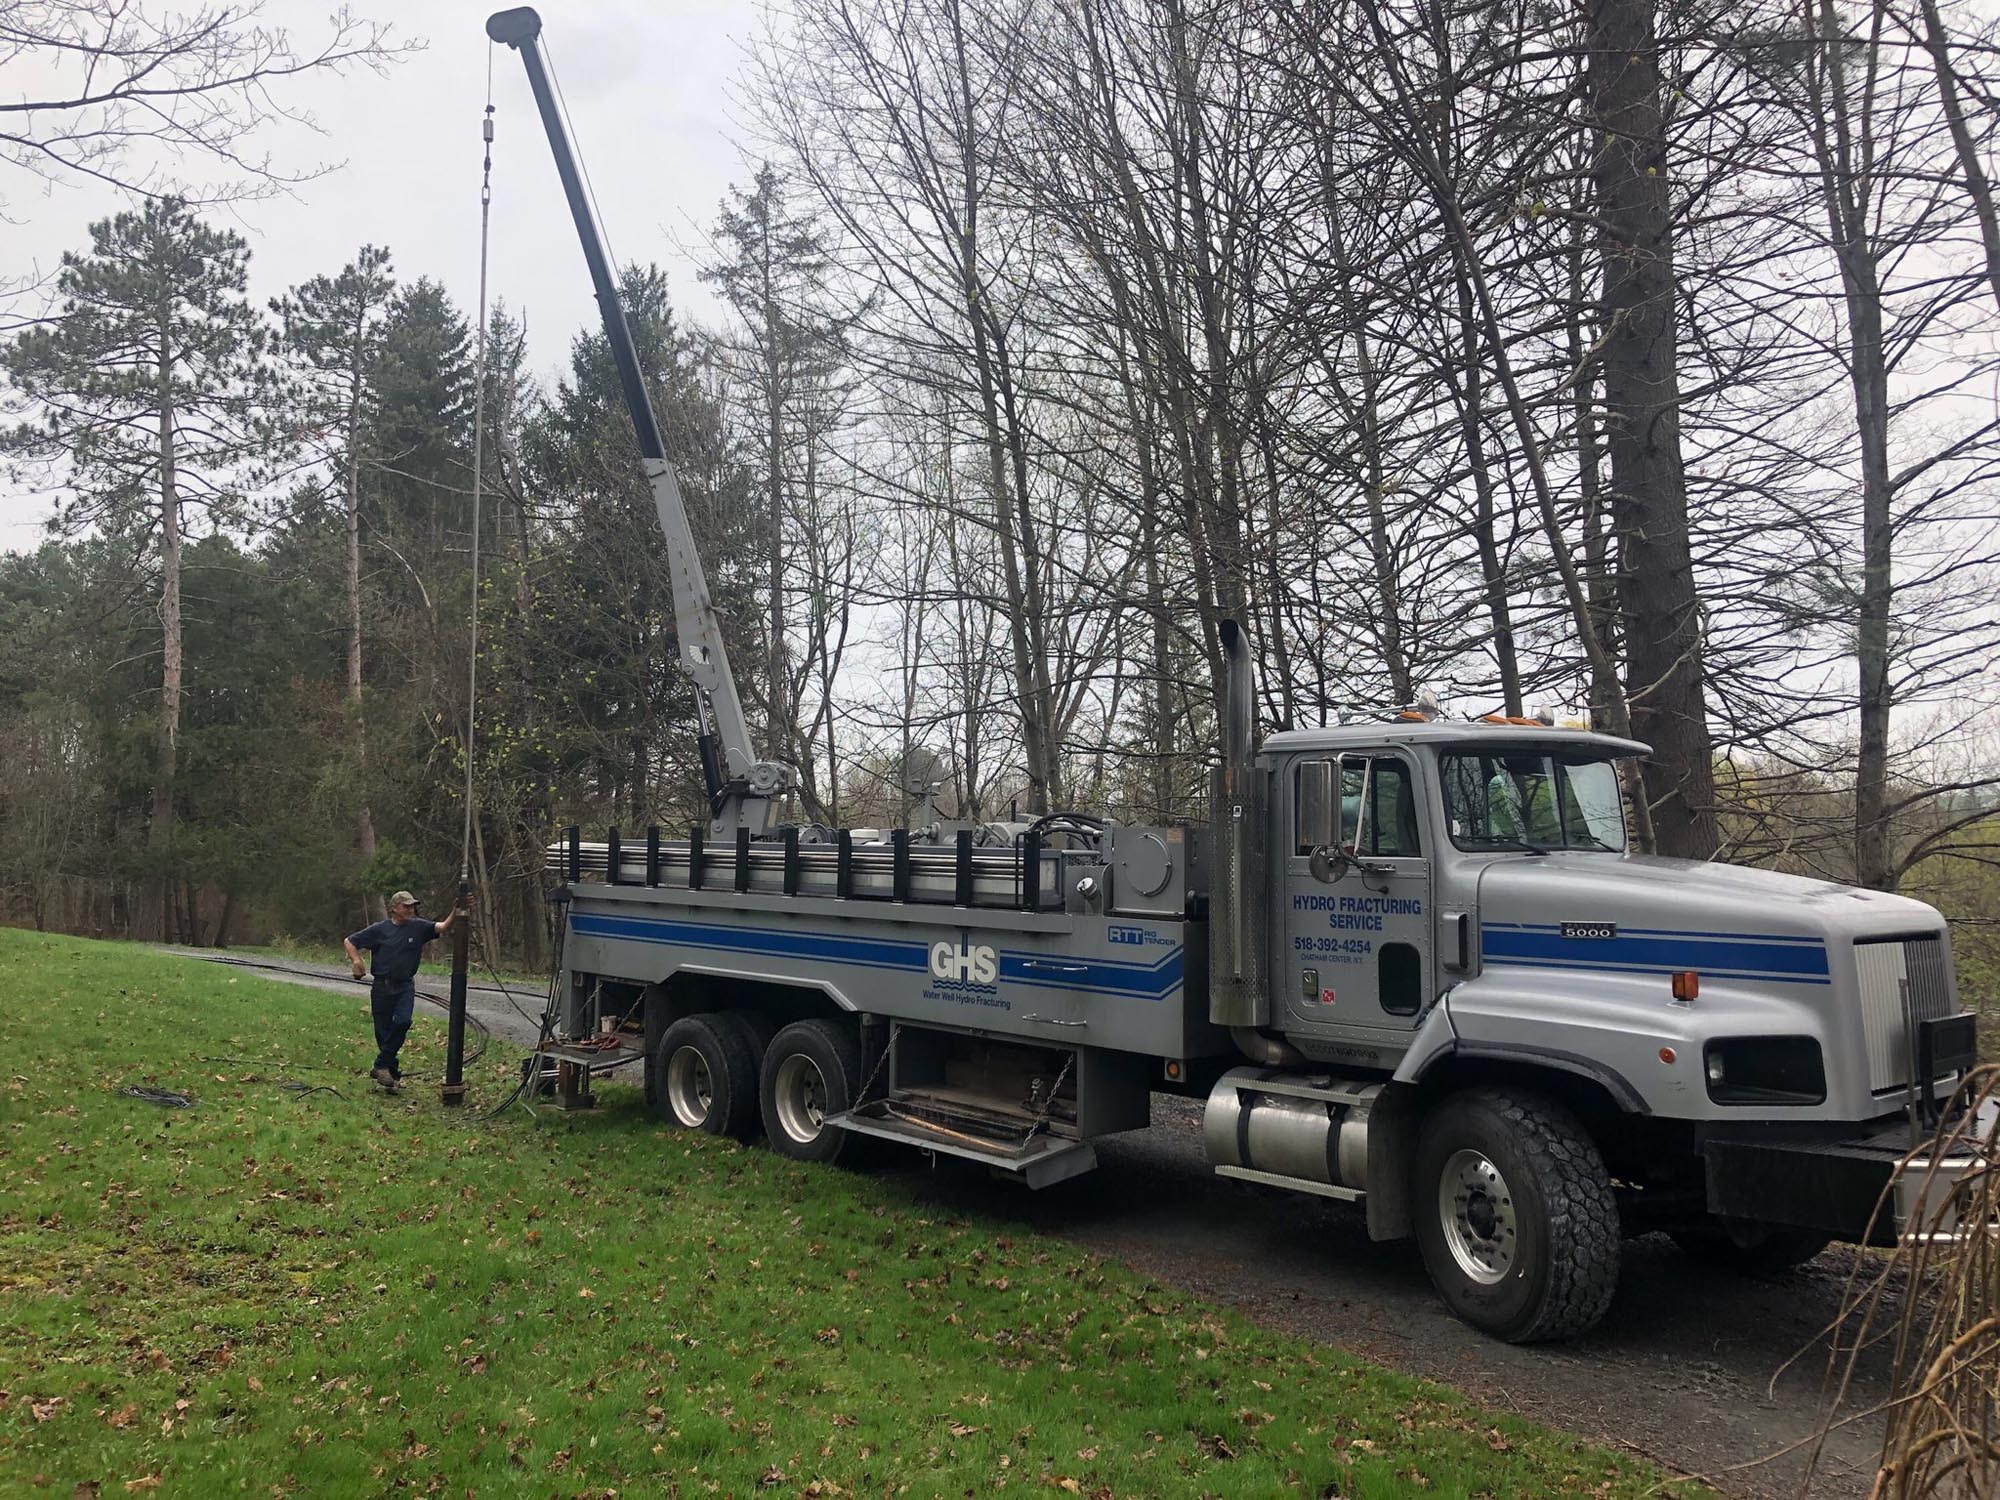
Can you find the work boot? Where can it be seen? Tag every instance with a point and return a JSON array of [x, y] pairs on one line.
[[386, 1079]]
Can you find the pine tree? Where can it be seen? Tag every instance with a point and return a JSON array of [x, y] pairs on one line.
[[332, 335], [608, 589], [148, 385]]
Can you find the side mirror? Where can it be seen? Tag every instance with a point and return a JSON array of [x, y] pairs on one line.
[[1329, 863], [1318, 807]]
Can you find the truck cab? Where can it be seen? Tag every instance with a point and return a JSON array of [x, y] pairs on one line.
[[1446, 886], [1387, 830], [1472, 984]]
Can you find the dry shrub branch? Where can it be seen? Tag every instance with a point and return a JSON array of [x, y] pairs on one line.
[[1936, 1299]]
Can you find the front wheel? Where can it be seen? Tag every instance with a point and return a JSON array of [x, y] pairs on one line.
[[812, 1070], [1515, 1215]]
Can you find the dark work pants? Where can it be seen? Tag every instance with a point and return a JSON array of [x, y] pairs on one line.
[[393, 1001]]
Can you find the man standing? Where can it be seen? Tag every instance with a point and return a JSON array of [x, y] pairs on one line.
[[398, 946]]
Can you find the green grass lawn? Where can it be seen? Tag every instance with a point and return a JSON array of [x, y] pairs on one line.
[[343, 1294]]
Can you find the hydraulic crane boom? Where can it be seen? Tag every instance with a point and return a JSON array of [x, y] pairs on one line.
[[741, 785]]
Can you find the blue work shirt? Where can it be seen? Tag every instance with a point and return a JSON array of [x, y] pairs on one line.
[[397, 949]]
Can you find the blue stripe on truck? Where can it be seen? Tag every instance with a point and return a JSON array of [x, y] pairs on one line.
[[1792, 960], [876, 953], [1153, 981]]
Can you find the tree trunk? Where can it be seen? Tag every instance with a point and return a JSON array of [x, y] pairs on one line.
[[779, 736], [1217, 438], [371, 901], [1848, 195], [1600, 580], [1663, 645], [1374, 478], [160, 832], [1034, 727], [1374, 485], [1978, 186], [1485, 524]]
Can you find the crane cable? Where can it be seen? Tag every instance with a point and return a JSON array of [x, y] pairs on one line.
[[478, 455]]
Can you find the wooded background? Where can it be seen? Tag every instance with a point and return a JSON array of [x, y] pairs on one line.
[[1634, 361]]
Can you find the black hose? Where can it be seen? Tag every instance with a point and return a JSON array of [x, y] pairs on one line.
[[166, 1098], [441, 1002]]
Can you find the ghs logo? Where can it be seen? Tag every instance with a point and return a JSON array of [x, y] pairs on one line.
[[967, 965]]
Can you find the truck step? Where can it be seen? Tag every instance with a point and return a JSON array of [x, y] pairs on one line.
[[1002, 1142], [1295, 1184]]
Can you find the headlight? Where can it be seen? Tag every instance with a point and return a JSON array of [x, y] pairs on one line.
[[1765, 1070]]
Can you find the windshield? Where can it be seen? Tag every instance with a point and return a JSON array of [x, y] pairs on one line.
[[1530, 799]]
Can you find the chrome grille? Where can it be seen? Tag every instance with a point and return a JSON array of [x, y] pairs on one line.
[[1885, 965]]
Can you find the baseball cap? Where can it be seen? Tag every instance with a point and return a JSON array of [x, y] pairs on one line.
[[404, 898]]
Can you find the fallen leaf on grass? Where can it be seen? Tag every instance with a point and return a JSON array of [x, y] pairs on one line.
[[123, 1416], [143, 1482], [43, 1410]]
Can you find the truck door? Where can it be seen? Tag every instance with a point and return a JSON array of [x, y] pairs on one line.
[[1357, 957]]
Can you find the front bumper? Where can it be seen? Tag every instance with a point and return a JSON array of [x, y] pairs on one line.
[[1835, 1186]]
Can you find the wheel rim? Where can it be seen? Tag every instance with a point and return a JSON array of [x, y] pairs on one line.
[[799, 1091], [1476, 1208], [690, 1090]]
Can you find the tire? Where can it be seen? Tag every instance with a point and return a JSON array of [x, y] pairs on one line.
[[1752, 1248], [811, 1070], [1515, 1215], [704, 1077], [757, 1029]]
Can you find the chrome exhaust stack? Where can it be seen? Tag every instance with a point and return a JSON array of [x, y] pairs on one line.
[[1238, 995]]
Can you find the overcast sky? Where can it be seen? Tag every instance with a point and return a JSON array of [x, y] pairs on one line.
[[649, 87]]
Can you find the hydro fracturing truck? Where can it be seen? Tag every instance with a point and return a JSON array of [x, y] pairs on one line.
[[1409, 964]]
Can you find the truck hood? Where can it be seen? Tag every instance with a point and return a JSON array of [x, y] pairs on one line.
[[1646, 893]]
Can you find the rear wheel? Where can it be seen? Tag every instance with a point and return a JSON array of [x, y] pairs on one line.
[[812, 1070], [757, 1029], [1743, 1245], [1515, 1215], [704, 1077]]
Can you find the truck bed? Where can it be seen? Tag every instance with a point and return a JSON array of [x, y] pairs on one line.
[[1058, 947]]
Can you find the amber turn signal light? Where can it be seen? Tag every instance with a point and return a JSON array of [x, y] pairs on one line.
[[1687, 984]]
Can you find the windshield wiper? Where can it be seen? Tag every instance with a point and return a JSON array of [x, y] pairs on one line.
[[1522, 845]]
